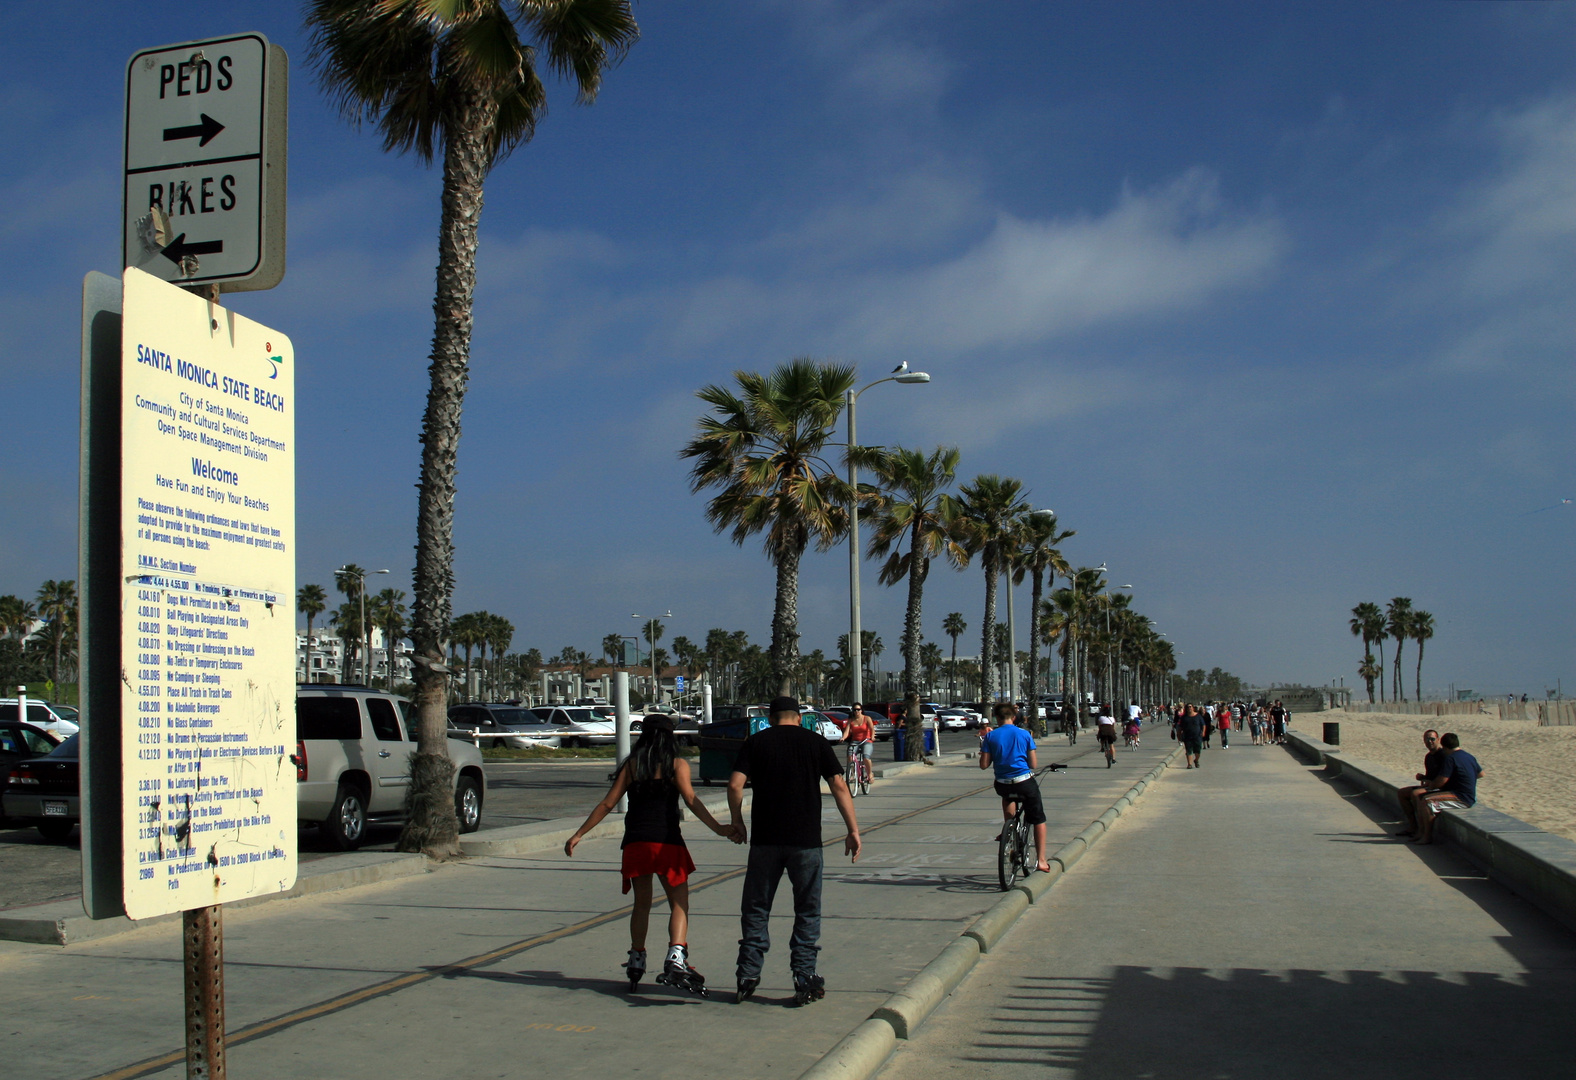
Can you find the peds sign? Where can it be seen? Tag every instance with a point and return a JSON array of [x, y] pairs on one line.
[[205, 163]]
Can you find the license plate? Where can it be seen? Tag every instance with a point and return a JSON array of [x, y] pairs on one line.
[[54, 809]]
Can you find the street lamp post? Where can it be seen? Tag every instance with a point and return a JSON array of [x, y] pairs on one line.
[[656, 684], [366, 631], [855, 642]]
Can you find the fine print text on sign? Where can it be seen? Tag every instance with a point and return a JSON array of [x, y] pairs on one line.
[[208, 599], [205, 162]]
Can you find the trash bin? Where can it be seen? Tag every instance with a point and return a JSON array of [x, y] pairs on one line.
[[1332, 733], [719, 745], [900, 736]]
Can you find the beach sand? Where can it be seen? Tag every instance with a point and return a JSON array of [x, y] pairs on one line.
[[1529, 771]]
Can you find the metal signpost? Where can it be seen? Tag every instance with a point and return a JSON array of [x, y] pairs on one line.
[[187, 506], [205, 163]]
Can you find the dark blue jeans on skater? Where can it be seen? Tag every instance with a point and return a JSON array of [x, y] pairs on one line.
[[768, 863]]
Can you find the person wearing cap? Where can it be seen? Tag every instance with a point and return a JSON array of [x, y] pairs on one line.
[[785, 764]]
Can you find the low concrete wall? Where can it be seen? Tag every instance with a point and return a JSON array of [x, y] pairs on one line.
[[1535, 865]]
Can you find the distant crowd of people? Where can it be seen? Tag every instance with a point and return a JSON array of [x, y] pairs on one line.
[[1195, 726]]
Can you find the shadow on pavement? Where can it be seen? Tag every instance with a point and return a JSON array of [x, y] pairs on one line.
[[1192, 1024]]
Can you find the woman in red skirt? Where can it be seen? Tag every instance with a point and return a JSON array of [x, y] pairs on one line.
[[655, 778]]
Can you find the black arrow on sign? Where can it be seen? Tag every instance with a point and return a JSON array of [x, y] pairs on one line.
[[206, 130], [178, 248]]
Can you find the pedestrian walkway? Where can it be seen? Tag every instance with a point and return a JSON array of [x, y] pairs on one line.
[[504, 966], [1252, 919]]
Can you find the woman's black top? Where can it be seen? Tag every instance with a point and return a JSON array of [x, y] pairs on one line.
[[653, 816]]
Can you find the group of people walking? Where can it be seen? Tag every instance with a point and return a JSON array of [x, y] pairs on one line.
[[1194, 726]]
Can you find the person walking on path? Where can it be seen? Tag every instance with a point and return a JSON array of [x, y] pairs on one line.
[[1190, 733], [655, 779], [1224, 718], [1105, 734], [785, 765], [1009, 750]]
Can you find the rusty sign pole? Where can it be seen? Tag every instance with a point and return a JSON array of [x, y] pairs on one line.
[[202, 938]]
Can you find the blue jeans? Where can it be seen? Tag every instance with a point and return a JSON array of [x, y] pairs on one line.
[[764, 871]]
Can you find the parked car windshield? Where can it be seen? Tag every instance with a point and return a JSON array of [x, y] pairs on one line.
[[514, 717], [67, 749]]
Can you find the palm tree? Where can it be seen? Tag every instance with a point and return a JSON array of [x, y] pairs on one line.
[[1422, 627], [762, 449], [311, 601], [930, 659], [457, 76], [1366, 619], [466, 632], [953, 626], [1039, 554], [613, 649], [1368, 670], [991, 508], [57, 602], [346, 621], [1398, 616], [386, 611], [912, 504], [499, 632], [16, 615]]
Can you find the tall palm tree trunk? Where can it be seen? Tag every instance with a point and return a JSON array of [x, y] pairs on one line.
[[1398, 682], [1417, 685], [785, 618], [918, 568], [431, 825], [1380, 643], [988, 635]]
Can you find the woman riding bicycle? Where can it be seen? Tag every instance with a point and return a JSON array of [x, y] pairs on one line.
[[860, 735]]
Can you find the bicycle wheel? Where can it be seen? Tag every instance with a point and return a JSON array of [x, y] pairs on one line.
[[864, 776], [851, 777], [1023, 845], [1007, 859]]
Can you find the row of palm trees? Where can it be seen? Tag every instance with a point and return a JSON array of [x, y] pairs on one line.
[[1398, 620], [385, 610], [47, 624], [763, 448]]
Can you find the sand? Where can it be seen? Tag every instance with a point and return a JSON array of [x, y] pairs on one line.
[[1529, 771]]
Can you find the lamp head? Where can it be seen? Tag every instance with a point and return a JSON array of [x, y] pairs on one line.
[[912, 377]]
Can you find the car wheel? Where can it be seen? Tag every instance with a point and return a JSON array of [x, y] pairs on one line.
[[346, 826], [56, 832], [499, 744], [468, 804]]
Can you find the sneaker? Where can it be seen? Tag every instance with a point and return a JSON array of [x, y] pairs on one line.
[[808, 988], [745, 991]]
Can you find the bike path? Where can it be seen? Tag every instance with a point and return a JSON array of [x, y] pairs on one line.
[[1254, 919], [375, 982]]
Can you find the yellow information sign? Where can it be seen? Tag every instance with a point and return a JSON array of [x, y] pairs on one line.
[[207, 602]]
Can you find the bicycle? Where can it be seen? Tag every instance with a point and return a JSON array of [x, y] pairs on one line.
[[1070, 729], [1012, 849], [856, 774]]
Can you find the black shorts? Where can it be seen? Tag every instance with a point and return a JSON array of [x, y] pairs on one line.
[[1027, 792], [1192, 745]]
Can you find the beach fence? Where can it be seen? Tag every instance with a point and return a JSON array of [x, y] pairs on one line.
[[1544, 713]]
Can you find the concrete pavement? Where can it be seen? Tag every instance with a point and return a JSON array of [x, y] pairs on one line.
[[505, 965], [1252, 919]]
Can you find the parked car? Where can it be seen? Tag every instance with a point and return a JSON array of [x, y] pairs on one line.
[[500, 726], [957, 719], [41, 714], [581, 725], [352, 760], [18, 742], [45, 792], [824, 724]]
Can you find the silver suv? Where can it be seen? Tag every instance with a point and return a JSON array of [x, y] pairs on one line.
[[353, 748]]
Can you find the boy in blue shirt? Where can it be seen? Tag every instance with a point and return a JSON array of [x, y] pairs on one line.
[[1009, 749]]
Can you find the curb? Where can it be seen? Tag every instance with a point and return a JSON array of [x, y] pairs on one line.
[[863, 1052], [63, 922]]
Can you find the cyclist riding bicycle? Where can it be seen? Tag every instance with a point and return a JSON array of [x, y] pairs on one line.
[[860, 735], [1009, 749]]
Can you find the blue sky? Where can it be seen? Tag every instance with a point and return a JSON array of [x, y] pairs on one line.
[[1274, 304]]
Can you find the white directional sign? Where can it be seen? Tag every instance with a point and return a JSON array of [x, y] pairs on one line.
[[207, 666], [205, 162]]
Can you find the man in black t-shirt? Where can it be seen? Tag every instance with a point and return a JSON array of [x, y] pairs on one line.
[[785, 764]]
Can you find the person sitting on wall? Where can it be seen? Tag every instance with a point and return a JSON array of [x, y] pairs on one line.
[[1455, 785], [1409, 795]]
